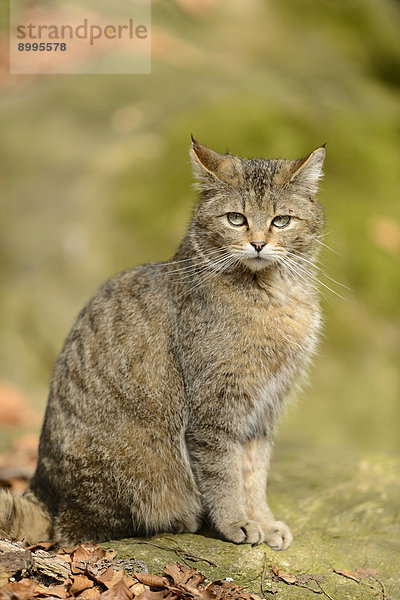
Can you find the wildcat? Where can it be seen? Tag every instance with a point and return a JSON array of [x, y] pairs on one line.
[[164, 399]]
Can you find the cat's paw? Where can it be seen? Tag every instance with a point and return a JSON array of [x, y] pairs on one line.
[[243, 532], [278, 535]]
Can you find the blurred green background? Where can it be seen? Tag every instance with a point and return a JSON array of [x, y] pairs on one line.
[[95, 178]]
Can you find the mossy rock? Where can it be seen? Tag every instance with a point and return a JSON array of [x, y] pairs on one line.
[[344, 513]]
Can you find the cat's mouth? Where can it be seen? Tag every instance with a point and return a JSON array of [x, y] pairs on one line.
[[258, 262]]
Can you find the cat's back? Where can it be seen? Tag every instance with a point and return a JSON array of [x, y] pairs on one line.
[[117, 349], [125, 307]]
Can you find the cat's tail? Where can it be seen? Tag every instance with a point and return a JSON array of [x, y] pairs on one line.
[[23, 518]]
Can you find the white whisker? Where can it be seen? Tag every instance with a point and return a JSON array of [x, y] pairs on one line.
[[302, 274], [205, 253], [312, 275], [198, 269], [223, 265], [328, 247], [322, 271], [200, 260]]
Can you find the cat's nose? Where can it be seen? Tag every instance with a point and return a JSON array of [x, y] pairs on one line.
[[258, 245]]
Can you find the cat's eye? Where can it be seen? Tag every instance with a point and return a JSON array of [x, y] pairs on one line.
[[236, 219], [281, 221]]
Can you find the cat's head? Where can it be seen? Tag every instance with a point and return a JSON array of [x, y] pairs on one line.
[[258, 210]]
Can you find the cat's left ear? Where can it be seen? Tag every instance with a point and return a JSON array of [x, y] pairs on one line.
[[308, 170], [209, 167]]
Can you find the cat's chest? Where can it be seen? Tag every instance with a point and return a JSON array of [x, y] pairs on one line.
[[276, 337], [254, 341], [243, 357], [278, 329], [278, 344]]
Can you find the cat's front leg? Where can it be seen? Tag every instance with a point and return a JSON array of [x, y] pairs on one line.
[[256, 460], [217, 464]]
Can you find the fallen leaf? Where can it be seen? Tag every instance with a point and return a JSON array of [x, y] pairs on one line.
[[67, 550], [59, 591], [137, 588], [65, 557], [112, 576], [81, 554], [105, 576], [78, 567], [147, 594], [42, 546], [80, 583], [19, 590], [119, 591], [98, 552], [149, 579], [365, 573], [129, 580], [90, 594], [182, 574], [348, 574], [196, 579], [223, 589], [286, 577]]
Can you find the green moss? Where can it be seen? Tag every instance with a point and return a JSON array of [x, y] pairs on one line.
[[343, 511]]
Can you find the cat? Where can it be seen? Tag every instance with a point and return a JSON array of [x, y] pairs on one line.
[[164, 399]]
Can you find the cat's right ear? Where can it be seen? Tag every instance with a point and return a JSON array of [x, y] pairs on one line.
[[308, 170], [210, 167]]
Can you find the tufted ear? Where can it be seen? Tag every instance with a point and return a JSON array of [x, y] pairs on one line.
[[308, 170], [209, 166]]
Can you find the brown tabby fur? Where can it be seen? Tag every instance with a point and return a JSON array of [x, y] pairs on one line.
[[164, 399]]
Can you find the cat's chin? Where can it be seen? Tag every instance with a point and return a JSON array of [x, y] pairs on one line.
[[257, 264]]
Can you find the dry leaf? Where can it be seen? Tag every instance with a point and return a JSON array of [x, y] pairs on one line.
[[196, 579], [348, 574], [65, 557], [112, 576], [119, 591], [78, 568], [137, 588], [98, 552], [223, 589], [149, 579], [129, 580], [104, 577], [67, 550], [81, 554], [365, 573], [90, 594], [182, 574], [286, 577], [20, 590], [80, 583], [90, 564], [42, 546], [149, 595], [59, 591]]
